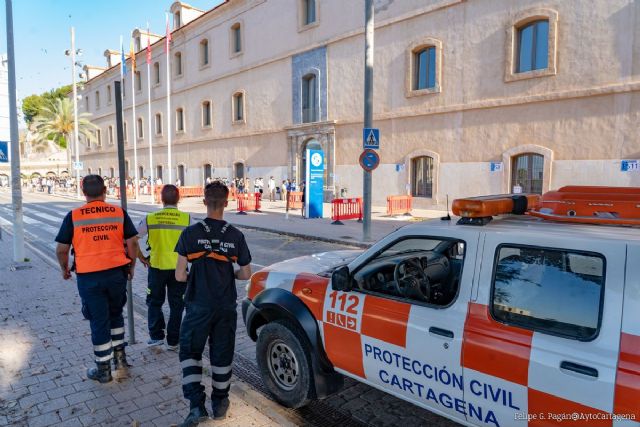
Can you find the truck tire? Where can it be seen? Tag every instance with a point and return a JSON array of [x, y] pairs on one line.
[[284, 361]]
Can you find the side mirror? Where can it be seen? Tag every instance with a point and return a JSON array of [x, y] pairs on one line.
[[341, 279]]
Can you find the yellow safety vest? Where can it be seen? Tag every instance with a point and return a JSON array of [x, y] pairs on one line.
[[164, 228]]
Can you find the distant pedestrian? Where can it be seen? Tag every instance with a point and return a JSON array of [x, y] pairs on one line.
[[303, 189], [272, 189], [98, 233]]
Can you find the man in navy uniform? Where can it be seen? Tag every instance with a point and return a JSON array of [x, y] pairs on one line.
[[212, 246]]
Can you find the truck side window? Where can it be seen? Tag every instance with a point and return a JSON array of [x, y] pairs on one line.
[[415, 269], [553, 291]]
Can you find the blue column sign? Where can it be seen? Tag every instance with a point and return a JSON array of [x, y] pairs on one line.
[[314, 183], [4, 152]]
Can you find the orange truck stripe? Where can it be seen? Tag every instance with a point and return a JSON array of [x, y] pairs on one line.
[[627, 392], [257, 284], [385, 320], [311, 289], [555, 411], [344, 349], [495, 349]]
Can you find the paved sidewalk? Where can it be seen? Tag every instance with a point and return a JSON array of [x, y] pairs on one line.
[[45, 349], [274, 218]]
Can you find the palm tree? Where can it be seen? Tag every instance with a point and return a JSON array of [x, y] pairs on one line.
[[55, 124]]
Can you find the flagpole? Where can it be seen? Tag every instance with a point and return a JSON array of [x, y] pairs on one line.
[[134, 123], [167, 43], [152, 183]]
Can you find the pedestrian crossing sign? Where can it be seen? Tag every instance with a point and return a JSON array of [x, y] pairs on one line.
[[371, 138]]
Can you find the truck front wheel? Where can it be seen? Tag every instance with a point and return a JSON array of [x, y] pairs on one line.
[[284, 361]]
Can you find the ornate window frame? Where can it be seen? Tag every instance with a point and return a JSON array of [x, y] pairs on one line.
[[511, 46], [410, 67]]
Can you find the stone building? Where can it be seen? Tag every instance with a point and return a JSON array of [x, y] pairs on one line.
[[471, 96]]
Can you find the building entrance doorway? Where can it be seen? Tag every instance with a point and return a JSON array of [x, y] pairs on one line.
[[311, 144], [238, 170]]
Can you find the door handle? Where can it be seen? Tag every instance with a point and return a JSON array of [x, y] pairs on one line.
[[442, 332], [580, 369]]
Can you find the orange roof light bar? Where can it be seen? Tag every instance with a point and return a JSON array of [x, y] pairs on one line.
[[489, 206]]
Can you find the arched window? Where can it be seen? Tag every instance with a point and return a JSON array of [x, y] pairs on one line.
[[206, 114], [99, 171], [179, 120], [533, 46], [98, 137], [309, 98], [138, 81], [112, 173], [159, 172], [527, 173], [88, 171], [177, 63], [140, 129], [140, 172], [181, 174], [110, 135], [158, 124], [177, 21], [422, 176], [236, 38], [156, 73], [125, 134], [204, 52], [208, 172], [126, 169], [97, 99], [86, 103], [238, 170], [424, 66], [308, 12], [108, 94], [238, 107]]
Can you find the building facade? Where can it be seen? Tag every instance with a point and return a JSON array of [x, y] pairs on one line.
[[471, 96]]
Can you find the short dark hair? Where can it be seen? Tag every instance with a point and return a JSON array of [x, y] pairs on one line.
[[170, 195], [93, 186], [216, 195]]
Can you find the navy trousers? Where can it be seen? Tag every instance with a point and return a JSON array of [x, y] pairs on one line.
[[163, 283], [104, 294], [218, 326]]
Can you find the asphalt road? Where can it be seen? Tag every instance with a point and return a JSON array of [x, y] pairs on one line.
[[43, 215]]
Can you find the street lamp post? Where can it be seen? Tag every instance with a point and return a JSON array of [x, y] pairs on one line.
[[16, 184], [76, 147], [368, 111]]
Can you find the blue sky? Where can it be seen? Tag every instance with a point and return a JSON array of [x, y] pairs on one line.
[[42, 34]]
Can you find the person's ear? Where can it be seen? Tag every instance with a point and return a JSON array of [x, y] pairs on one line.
[[226, 203], [204, 202]]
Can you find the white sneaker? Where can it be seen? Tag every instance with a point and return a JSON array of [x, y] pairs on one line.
[[173, 347], [153, 343]]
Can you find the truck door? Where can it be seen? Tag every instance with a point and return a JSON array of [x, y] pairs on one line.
[[541, 340], [405, 342], [627, 397]]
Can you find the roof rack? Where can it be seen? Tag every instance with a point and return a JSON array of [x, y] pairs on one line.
[[590, 205], [569, 204]]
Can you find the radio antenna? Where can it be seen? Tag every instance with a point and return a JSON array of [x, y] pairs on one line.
[[448, 217]]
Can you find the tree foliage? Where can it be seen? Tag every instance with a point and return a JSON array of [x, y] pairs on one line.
[[55, 123], [33, 105]]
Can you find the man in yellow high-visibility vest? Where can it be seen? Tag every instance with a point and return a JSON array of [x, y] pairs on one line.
[[163, 229]]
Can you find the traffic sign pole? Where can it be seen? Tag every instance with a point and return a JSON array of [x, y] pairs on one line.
[[368, 112]]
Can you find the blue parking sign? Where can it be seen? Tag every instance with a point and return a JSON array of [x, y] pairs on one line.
[[4, 152]]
